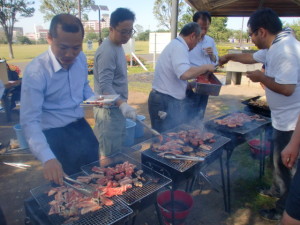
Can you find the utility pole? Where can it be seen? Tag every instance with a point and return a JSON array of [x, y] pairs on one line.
[[79, 9]]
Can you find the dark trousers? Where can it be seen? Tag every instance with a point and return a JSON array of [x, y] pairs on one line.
[[293, 200], [282, 176], [74, 145], [173, 107]]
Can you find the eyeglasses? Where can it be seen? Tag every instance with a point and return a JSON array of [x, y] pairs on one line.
[[251, 33], [126, 32]]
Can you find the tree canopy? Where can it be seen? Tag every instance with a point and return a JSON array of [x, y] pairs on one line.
[[51, 8], [162, 12], [9, 10]]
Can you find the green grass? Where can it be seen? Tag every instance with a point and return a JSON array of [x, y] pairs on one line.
[[247, 186], [25, 53]]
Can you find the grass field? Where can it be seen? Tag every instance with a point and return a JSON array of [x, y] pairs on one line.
[[25, 53]]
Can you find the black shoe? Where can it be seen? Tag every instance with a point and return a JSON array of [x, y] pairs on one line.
[[269, 193], [270, 214]]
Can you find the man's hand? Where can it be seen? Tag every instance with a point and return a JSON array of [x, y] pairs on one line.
[[210, 67], [128, 111], [289, 155], [255, 76], [223, 60], [210, 52], [53, 171]]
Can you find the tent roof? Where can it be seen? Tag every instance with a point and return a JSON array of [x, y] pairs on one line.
[[284, 8]]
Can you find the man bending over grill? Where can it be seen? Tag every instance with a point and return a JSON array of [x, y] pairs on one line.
[[172, 71], [54, 85], [281, 57]]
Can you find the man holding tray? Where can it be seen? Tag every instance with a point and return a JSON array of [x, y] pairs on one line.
[[54, 85], [110, 78]]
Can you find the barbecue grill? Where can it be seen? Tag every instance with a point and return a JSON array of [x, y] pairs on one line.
[[182, 170], [153, 180], [238, 135], [105, 215], [264, 111]]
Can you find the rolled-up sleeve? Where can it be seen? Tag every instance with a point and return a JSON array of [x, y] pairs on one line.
[[32, 98]]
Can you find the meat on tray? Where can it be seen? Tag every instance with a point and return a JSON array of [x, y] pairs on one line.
[[108, 182], [238, 120], [189, 142]]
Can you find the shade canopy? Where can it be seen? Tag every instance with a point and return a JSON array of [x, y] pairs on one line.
[[284, 8]]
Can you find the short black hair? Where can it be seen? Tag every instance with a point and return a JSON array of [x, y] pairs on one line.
[[203, 15], [68, 22], [190, 28], [267, 19], [120, 15]]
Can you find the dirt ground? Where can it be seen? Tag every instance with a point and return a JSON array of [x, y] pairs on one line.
[[15, 184]]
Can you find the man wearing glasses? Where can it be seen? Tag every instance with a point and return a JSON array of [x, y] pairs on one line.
[[110, 78], [281, 55]]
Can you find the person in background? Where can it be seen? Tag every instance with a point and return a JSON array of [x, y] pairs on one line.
[[281, 55], [289, 156], [205, 51], [172, 71], [53, 87], [110, 78]]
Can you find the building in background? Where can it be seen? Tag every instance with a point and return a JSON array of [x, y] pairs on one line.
[[94, 24]]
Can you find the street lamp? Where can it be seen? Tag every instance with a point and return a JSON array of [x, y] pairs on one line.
[[99, 8]]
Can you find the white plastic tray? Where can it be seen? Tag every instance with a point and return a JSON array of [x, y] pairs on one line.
[[94, 99]]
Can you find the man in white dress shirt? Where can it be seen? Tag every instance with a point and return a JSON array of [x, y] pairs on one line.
[[172, 71]]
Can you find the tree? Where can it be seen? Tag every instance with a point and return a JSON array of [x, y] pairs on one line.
[[187, 17], [218, 30], [295, 26], [105, 32], [139, 28], [162, 11], [51, 8], [9, 10], [143, 36], [24, 40]]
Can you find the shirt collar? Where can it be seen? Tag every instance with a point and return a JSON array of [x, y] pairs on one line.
[[183, 42], [55, 63]]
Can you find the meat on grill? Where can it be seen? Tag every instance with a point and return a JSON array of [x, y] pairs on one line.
[[237, 120], [108, 182]]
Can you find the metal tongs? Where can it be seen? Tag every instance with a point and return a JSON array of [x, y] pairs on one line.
[[85, 189], [156, 133], [183, 157]]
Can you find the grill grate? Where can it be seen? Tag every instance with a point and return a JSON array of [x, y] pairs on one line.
[[246, 128], [105, 215], [154, 181], [183, 166]]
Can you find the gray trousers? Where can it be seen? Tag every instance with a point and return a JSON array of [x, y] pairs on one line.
[[109, 129]]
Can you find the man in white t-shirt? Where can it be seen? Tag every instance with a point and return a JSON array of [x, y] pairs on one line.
[[281, 57]]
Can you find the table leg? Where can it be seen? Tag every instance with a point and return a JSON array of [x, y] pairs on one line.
[[228, 155], [223, 185]]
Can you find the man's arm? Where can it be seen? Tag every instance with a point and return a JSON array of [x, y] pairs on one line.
[[269, 82], [193, 72], [32, 99], [246, 58], [290, 153]]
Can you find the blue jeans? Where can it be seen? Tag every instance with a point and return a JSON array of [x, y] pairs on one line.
[[173, 107], [74, 145]]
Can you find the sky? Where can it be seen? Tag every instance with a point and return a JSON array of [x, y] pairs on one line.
[[142, 9]]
